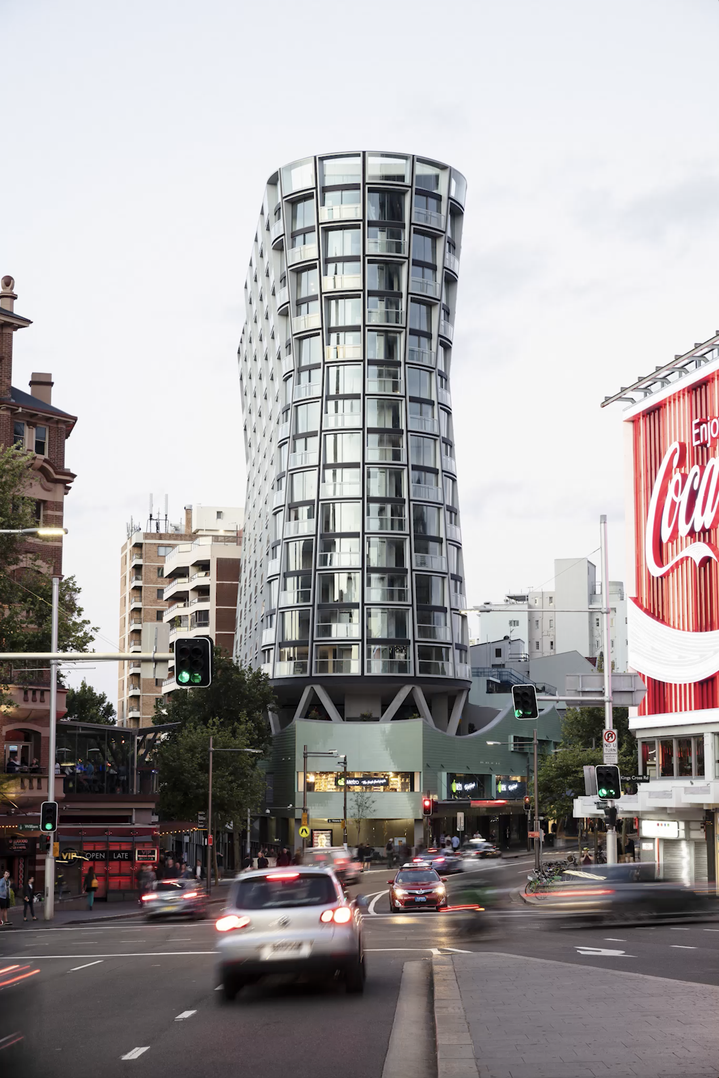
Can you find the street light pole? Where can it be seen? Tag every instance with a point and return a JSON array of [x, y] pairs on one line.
[[608, 716], [537, 825], [49, 906], [210, 838]]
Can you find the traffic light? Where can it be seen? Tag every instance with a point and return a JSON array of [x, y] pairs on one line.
[[193, 661], [48, 817], [608, 783], [426, 806], [527, 804], [524, 698]]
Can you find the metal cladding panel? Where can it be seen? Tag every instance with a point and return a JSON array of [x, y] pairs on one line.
[[675, 612]]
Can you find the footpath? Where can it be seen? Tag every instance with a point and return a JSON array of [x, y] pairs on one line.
[[74, 911], [506, 1016]]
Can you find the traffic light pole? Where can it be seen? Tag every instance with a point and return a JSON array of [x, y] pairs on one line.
[[49, 904], [608, 717], [537, 825]]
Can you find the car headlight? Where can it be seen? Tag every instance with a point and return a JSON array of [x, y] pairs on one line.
[[440, 890], [398, 891]]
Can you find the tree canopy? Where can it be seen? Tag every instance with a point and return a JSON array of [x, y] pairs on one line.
[[561, 775], [87, 705]]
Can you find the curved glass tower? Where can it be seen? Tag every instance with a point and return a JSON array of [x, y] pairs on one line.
[[352, 580]]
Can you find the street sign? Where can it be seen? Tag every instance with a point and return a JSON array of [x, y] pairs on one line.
[[202, 819], [635, 778], [335, 821], [28, 826], [209, 840], [460, 821], [56, 849], [304, 820], [610, 747], [534, 834], [304, 831], [147, 854]]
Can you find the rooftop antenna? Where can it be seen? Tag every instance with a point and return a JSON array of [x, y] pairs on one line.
[[167, 502]]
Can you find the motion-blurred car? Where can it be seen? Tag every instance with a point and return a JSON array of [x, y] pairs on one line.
[[294, 921], [477, 849], [629, 893], [175, 898], [446, 862], [417, 886], [19, 1019], [338, 858]]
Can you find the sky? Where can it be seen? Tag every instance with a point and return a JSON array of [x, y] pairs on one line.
[[138, 140]]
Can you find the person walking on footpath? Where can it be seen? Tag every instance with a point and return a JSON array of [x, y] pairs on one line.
[[4, 899], [262, 861], [91, 885], [28, 900]]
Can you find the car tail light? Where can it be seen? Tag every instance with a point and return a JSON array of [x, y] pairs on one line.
[[226, 924], [341, 861], [282, 876], [149, 898], [340, 916], [190, 894], [576, 894]]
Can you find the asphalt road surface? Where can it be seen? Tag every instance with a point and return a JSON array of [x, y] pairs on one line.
[[129, 997]]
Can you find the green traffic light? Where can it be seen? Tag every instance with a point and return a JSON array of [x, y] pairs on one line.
[[183, 677], [196, 679], [48, 826]]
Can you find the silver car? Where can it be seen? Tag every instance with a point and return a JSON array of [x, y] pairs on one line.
[[293, 920], [175, 898]]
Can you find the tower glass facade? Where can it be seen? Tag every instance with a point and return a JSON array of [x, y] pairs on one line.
[[352, 578]]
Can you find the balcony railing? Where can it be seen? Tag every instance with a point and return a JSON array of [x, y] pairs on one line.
[[303, 390], [339, 559], [458, 600], [304, 460], [295, 668], [386, 524], [306, 321], [385, 453], [451, 262], [427, 494], [434, 668], [298, 527], [277, 230], [454, 533], [278, 499], [266, 668], [351, 212], [283, 432], [449, 464], [463, 670], [384, 385], [443, 397], [172, 610], [389, 666], [422, 356], [273, 567], [337, 666], [424, 423], [342, 282], [301, 254], [343, 351], [268, 637], [136, 560], [435, 562], [425, 287], [340, 490], [283, 297], [387, 595], [428, 217], [383, 246], [446, 329], [342, 419], [295, 598], [390, 316], [443, 633], [134, 690], [288, 364], [338, 630]]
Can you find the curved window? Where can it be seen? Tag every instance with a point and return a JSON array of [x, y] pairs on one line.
[[341, 517], [387, 623]]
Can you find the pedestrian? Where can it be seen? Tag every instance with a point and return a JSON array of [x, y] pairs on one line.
[[172, 870], [262, 861], [247, 863], [35, 765], [28, 899], [586, 856], [297, 858], [455, 842], [629, 847], [198, 869], [368, 854], [4, 898], [389, 850], [187, 873], [91, 885], [283, 858], [147, 878]]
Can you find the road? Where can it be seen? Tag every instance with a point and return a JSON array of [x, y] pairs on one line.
[[141, 998]]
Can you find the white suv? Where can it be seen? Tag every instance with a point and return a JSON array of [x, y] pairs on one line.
[[293, 920]]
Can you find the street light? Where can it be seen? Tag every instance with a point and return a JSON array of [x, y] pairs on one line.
[[305, 753], [342, 762], [44, 532], [210, 843]]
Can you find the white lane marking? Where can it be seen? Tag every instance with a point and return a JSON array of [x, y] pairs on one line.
[[219, 988], [175, 939], [678, 929], [603, 952], [711, 929], [134, 1054], [185, 1014], [682, 947], [370, 908], [121, 954], [614, 939], [97, 962]]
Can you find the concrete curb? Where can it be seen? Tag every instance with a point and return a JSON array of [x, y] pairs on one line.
[[411, 1043], [455, 1049]]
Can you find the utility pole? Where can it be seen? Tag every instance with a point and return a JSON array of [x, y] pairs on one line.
[[608, 717], [49, 904], [537, 824], [209, 826], [344, 798], [304, 794]]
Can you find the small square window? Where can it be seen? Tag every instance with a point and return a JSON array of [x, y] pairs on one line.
[[536, 645], [220, 514], [160, 593], [159, 614], [40, 441], [160, 570]]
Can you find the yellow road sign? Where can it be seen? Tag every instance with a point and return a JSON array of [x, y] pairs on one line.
[[56, 849], [304, 819], [304, 831]]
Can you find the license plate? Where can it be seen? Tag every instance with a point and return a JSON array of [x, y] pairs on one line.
[[420, 898], [285, 949]]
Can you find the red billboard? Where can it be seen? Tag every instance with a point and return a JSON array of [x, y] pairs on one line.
[[673, 617]]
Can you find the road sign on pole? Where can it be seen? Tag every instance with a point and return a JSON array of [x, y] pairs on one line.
[[460, 821], [610, 747], [304, 831]]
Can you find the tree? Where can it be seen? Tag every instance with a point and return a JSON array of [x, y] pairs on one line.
[[183, 764], [561, 775], [361, 809], [87, 705], [237, 693]]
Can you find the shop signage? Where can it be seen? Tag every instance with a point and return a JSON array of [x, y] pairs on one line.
[[369, 780], [511, 788], [120, 855], [673, 618], [464, 787], [147, 853], [19, 845], [659, 828], [94, 855]]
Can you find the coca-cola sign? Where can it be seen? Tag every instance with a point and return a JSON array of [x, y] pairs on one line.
[[673, 616]]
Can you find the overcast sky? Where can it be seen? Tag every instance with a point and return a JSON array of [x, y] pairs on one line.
[[138, 137]]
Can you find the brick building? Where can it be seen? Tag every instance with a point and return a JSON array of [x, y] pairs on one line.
[[30, 421]]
